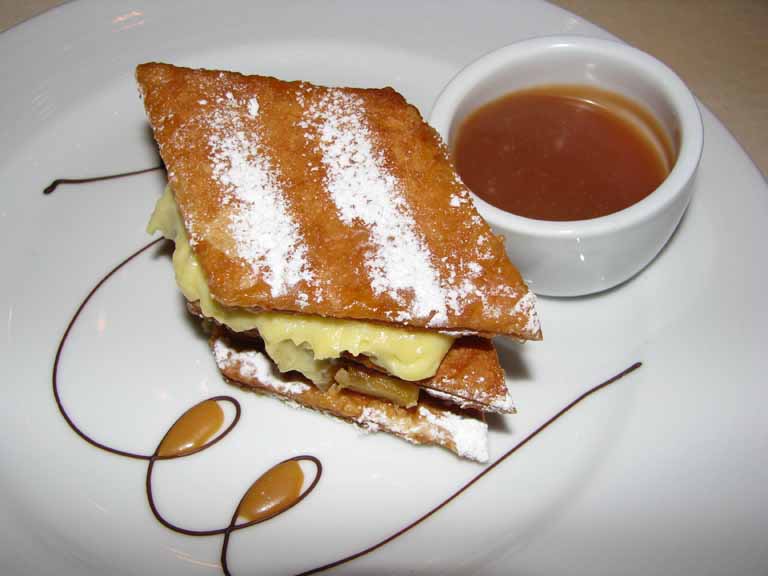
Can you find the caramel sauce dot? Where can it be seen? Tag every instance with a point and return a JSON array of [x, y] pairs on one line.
[[277, 489], [193, 430]]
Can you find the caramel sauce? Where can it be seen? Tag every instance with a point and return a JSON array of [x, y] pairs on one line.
[[193, 429], [274, 491], [562, 153]]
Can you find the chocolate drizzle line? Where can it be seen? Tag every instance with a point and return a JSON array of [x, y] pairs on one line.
[[59, 350], [156, 456], [485, 471], [233, 526], [55, 184]]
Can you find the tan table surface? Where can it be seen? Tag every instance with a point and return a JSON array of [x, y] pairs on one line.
[[719, 47]]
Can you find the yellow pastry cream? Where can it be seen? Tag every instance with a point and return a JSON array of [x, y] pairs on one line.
[[305, 343]]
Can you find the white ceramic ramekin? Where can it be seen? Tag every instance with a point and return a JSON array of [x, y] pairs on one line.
[[584, 256]]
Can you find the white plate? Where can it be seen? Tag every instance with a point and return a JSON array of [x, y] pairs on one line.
[[665, 471]]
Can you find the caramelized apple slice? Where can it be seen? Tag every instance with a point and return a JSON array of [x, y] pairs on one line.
[[377, 384]]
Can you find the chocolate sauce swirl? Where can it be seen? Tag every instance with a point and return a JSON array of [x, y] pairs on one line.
[[194, 431], [281, 487]]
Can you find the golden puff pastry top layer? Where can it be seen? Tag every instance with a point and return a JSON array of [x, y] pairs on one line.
[[340, 202]]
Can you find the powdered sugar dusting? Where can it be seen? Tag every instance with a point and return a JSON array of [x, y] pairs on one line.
[[265, 235], [458, 400], [256, 365], [459, 333], [503, 405], [373, 419], [527, 305], [469, 435], [457, 200], [365, 191]]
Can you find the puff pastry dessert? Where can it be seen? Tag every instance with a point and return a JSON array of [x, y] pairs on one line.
[[325, 235]]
